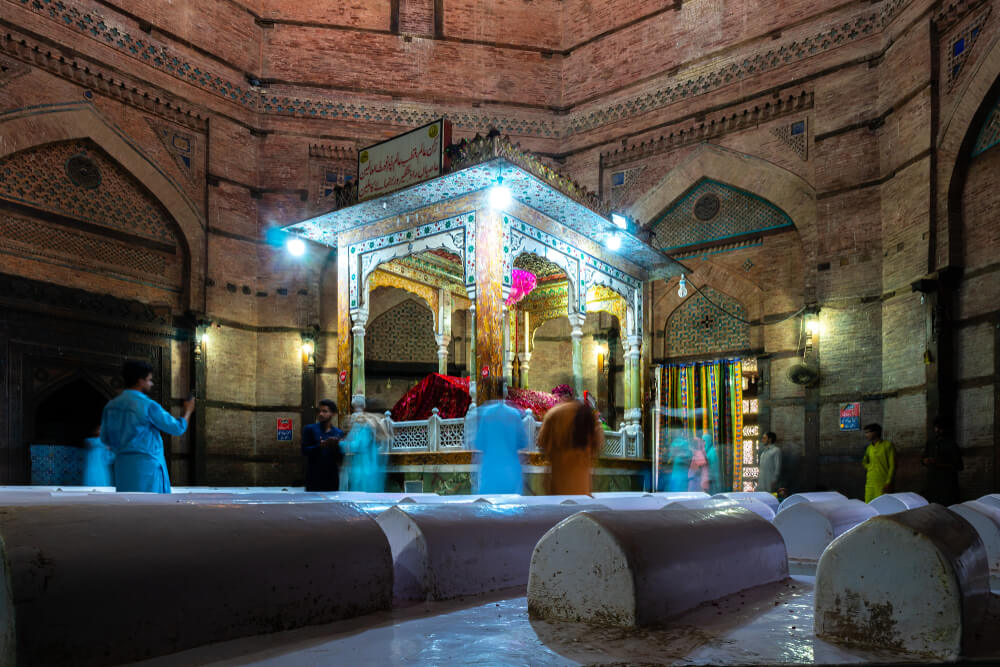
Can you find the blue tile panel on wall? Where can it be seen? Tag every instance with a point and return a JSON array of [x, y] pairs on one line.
[[698, 327], [739, 213], [54, 465], [989, 135], [403, 333]]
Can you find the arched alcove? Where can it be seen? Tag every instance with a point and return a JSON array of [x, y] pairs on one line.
[[37, 129], [68, 414], [697, 327]]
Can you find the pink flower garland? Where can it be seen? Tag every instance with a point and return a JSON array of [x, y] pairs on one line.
[[523, 282]]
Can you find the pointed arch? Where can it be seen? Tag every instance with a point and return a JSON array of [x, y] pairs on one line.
[[778, 186], [34, 126], [709, 274], [954, 144]]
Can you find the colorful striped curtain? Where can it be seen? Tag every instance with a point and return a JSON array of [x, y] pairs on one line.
[[706, 397]]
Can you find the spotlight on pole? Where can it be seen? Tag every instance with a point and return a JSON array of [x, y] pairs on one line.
[[297, 247]]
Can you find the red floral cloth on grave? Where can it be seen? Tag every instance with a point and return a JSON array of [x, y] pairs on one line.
[[538, 402], [450, 395]]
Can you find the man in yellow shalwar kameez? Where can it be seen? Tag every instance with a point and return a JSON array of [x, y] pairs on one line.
[[879, 461]]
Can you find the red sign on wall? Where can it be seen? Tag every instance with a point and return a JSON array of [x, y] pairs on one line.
[[284, 429]]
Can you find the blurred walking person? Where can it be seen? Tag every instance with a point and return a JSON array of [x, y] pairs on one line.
[[366, 443], [500, 435], [98, 460], [571, 437], [131, 426], [679, 457]]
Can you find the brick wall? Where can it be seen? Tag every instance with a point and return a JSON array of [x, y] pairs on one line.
[[576, 81]]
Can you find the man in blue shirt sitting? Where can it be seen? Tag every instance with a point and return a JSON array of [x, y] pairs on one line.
[[131, 426], [321, 447]]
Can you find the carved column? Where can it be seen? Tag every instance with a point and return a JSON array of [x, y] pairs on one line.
[[508, 348], [633, 412], [470, 333], [443, 335], [442, 342], [526, 355], [576, 321], [360, 317]]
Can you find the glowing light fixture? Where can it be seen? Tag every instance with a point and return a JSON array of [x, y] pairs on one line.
[[682, 287], [297, 247], [621, 222], [812, 326], [307, 348], [499, 195], [204, 339], [613, 242]]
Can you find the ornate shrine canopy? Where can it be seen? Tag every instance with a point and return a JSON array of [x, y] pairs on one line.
[[475, 167]]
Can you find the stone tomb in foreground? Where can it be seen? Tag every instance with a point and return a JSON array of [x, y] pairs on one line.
[[97, 584], [914, 581], [643, 567]]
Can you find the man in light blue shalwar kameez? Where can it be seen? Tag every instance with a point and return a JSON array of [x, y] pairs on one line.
[[500, 435], [131, 427]]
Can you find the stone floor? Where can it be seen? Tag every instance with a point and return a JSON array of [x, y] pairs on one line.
[[768, 625]]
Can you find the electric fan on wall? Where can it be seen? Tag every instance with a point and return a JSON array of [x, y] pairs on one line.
[[803, 374]]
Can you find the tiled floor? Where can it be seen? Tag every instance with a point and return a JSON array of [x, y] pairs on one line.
[[768, 625]]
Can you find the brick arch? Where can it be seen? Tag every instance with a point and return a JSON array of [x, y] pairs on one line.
[[721, 279], [787, 191], [23, 129], [957, 135]]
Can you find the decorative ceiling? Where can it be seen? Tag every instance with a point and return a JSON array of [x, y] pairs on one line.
[[543, 269]]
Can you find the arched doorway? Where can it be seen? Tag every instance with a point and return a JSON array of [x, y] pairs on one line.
[[69, 414]]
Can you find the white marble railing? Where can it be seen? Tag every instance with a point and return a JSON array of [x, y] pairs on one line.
[[435, 434]]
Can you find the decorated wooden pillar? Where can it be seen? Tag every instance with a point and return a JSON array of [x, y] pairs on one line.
[[576, 321], [526, 354], [360, 318], [343, 356], [443, 334], [489, 318]]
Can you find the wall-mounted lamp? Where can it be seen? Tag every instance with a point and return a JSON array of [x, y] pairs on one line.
[[682, 288], [308, 348], [620, 221], [613, 242], [296, 247], [499, 195], [204, 339]]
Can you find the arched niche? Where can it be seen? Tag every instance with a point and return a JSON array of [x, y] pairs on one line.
[[403, 333], [25, 129], [68, 411], [704, 324], [755, 177]]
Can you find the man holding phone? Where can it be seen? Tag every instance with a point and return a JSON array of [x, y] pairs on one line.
[[321, 447], [131, 426]]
